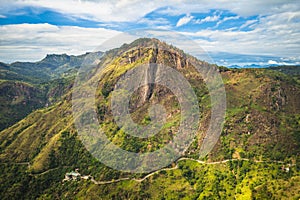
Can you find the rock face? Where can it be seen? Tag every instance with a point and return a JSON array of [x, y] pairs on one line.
[[155, 52], [150, 76]]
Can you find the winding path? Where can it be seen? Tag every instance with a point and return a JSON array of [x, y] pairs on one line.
[[152, 173], [175, 167]]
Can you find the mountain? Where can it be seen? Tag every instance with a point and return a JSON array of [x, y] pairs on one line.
[[256, 157], [249, 60], [53, 66], [289, 70], [272, 66], [26, 86]]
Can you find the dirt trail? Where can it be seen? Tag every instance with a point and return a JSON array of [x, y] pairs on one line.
[[176, 167], [152, 173]]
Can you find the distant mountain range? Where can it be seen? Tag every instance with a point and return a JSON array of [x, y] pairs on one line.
[[233, 60], [53, 66], [261, 66]]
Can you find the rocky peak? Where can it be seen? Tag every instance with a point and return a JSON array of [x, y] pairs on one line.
[[56, 59], [159, 52]]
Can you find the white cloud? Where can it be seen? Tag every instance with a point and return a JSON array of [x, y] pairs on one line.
[[208, 19], [104, 11], [230, 18], [2, 16], [133, 10], [272, 62], [154, 22], [227, 19], [27, 42], [184, 20], [275, 35], [277, 31], [241, 8], [247, 23]]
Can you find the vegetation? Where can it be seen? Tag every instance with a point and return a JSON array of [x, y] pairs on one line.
[[256, 157]]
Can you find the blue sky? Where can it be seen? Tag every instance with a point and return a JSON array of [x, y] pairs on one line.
[[232, 32]]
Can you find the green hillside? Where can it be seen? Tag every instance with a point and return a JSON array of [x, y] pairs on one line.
[[256, 157], [26, 86]]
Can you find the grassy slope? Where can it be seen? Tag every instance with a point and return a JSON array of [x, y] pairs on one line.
[[262, 115]]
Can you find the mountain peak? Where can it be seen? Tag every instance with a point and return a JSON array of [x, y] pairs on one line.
[[55, 55], [150, 50], [147, 42]]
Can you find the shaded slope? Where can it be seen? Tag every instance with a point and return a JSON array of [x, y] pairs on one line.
[[17, 99]]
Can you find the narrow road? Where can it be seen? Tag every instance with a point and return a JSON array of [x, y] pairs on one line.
[[150, 174], [176, 167], [155, 172]]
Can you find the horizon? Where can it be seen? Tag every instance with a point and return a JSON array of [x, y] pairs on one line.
[[246, 65], [210, 57]]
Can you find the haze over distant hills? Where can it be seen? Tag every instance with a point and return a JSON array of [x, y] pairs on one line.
[[220, 58], [250, 60]]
